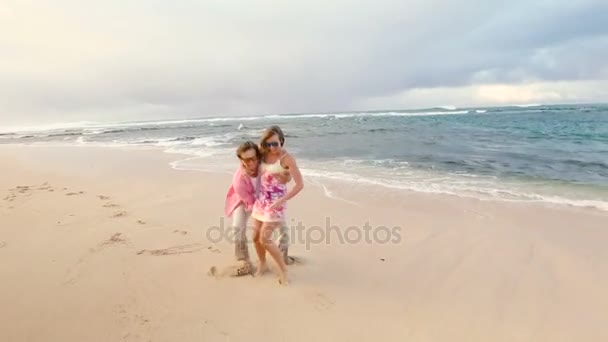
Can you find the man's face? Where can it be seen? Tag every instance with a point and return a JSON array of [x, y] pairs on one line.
[[249, 160]]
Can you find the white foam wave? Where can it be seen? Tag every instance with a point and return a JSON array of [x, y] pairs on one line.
[[391, 163], [92, 128], [200, 151], [480, 111], [94, 131], [329, 194], [528, 105], [168, 142], [474, 188], [420, 113], [208, 142], [49, 127], [199, 161], [186, 142], [180, 164]]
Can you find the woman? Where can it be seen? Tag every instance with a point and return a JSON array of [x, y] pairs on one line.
[[269, 208]]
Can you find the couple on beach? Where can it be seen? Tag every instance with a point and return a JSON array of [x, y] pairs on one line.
[[259, 191]]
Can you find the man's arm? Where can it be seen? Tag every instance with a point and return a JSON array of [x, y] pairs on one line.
[[238, 183]]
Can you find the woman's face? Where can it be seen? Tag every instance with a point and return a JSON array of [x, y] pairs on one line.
[[273, 145]]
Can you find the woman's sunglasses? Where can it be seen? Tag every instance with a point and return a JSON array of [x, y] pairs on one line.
[[272, 144]]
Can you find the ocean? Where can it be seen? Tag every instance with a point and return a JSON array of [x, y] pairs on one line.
[[556, 154]]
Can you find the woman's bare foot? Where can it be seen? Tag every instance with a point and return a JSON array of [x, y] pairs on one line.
[[283, 280], [262, 268]]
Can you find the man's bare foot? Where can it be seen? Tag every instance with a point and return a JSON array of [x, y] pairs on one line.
[[243, 269], [262, 268]]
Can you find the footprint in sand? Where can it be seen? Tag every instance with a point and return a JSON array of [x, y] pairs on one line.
[[116, 238], [2, 244], [183, 232], [124, 316], [46, 186], [141, 222], [219, 334], [213, 249], [213, 271], [26, 190], [22, 189], [10, 197], [111, 205], [66, 220], [75, 193], [103, 198], [322, 302], [128, 320], [120, 213], [72, 274], [141, 319], [182, 249]]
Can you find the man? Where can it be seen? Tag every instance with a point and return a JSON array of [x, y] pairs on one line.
[[239, 203]]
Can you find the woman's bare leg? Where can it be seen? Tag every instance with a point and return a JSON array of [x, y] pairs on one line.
[[273, 249], [259, 247]]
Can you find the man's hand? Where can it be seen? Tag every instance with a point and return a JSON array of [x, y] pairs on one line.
[[284, 177]]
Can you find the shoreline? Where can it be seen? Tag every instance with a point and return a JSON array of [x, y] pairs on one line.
[[332, 180]]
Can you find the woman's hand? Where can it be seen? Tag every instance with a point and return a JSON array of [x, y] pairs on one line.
[[278, 203]]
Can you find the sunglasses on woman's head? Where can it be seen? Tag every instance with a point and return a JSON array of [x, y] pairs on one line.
[[272, 144]]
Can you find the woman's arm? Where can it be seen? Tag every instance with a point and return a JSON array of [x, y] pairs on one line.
[[284, 177], [289, 163]]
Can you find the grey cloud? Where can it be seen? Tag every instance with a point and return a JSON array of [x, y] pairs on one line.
[[210, 58]]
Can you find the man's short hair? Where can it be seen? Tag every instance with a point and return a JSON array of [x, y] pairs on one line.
[[246, 146]]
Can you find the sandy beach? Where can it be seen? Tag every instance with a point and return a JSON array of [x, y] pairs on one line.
[[114, 245]]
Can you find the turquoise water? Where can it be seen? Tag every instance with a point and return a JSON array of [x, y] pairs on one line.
[[541, 153]]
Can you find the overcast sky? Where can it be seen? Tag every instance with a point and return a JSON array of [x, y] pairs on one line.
[[115, 60]]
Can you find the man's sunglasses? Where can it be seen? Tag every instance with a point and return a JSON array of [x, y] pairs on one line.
[[272, 144], [248, 160]]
